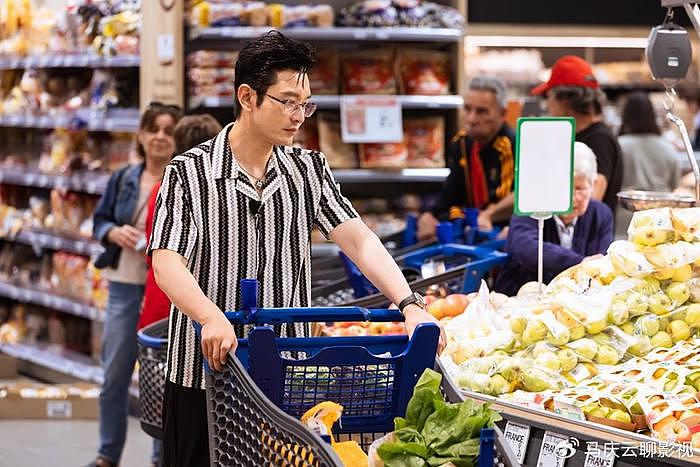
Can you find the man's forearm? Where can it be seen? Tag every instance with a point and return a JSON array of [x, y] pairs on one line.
[[173, 278], [502, 210]]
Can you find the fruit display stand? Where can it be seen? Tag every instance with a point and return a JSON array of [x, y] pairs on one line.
[[607, 356]]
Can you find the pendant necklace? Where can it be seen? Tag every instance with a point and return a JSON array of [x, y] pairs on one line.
[[259, 182]]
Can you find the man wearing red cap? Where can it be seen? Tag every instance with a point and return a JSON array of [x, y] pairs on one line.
[[480, 160], [572, 91]]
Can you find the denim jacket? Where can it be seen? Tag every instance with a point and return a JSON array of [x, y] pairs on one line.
[[116, 208]]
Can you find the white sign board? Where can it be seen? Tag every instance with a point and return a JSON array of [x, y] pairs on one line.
[[517, 436], [371, 119], [544, 165], [548, 451]]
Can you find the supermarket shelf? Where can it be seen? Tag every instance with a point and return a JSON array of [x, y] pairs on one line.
[[126, 120], [62, 361], [84, 182], [395, 34], [49, 300], [333, 102], [391, 176], [41, 239], [68, 61]]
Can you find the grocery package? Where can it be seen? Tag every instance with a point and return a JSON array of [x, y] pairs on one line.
[[340, 155], [320, 420], [211, 73], [425, 140], [434, 432], [383, 155], [368, 72], [213, 14], [383, 13], [57, 401], [615, 341], [307, 137], [324, 76], [424, 71]]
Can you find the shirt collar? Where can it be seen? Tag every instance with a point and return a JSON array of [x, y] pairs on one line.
[[562, 226], [224, 164]]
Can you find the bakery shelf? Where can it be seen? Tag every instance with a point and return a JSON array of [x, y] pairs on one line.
[[49, 300], [85, 182], [9, 62], [333, 102], [57, 359], [395, 34], [126, 120], [43, 239]]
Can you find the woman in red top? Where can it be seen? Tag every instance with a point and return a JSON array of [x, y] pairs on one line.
[[189, 132]]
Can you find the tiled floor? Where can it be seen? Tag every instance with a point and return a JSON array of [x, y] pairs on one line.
[[64, 443]]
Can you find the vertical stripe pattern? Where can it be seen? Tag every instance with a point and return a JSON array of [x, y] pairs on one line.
[[206, 212]]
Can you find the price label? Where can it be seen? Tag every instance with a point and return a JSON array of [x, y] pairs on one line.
[[371, 119], [43, 180], [517, 436], [59, 409], [549, 455], [359, 34], [605, 458]]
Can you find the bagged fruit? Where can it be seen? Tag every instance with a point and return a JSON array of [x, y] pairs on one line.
[[626, 258], [676, 257], [651, 227], [686, 223]]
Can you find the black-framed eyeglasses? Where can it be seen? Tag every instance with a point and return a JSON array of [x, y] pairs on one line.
[[291, 107]]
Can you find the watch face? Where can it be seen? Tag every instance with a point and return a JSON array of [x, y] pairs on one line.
[[420, 301]]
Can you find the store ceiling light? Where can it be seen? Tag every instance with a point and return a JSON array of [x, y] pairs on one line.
[[557, 41]]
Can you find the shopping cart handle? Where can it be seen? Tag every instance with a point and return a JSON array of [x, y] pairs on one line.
[[322, 314]]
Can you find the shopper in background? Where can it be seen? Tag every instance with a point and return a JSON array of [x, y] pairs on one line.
[[572, 91], [243, 206], [190, 131], [568, 239], [119, 224], [649, 159], [480, 159]]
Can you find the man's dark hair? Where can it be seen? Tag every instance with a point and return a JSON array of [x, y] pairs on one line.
[[260, 60], [638, 116]]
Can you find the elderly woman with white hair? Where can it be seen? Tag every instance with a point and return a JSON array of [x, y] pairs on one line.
[[569, 239]]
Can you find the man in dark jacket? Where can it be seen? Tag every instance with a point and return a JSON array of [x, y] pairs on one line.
[[570, 239], [480, 159]]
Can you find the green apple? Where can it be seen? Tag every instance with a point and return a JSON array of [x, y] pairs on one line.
[[600, 412], [647, 325], [497, 385], [649, 286], [597, 326], [637, 303], [694, 286], [650, 235], [548, 360], [535, 380], [687, 389], [659, 303], [577, 332], [661, 339], [585, 348], [618, 313], [540, 348], [670, 384], [607, 355], [641, 347], [682, 274], [628, 328], [561, 338], [535, 331], [568, 359], [590, 407], [619, 416], [518, 324], [678, 330], [678, 292], [692, 315]]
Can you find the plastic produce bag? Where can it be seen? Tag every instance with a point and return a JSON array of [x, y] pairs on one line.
[[651, 227], [626, 258], [686, 223]]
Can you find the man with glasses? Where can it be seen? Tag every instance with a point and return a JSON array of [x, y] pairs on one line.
[[583, 234], [243, 205], [480, 160]]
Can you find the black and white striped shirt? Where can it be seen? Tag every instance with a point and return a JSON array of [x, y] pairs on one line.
[[209, 212]]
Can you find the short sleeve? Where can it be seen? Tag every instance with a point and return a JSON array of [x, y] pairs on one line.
[[606, 154], [334, 208], [173, 224]]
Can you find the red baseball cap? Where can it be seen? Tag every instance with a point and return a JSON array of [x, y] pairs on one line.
[[569, 70]]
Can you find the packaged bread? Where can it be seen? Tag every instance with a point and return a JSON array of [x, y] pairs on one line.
[[206, 76], [425, 140], [340, 155], [424, 72], [323, 77], [383, 155], [212, 58], [369, 72]]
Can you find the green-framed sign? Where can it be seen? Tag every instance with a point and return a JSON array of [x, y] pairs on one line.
[[544, 165]]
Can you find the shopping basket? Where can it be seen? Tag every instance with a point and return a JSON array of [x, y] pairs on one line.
[[153, 349]]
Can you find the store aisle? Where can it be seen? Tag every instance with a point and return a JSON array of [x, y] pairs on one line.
[[64, 443]]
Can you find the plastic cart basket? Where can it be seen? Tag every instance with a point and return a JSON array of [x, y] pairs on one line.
[[153, 348]]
